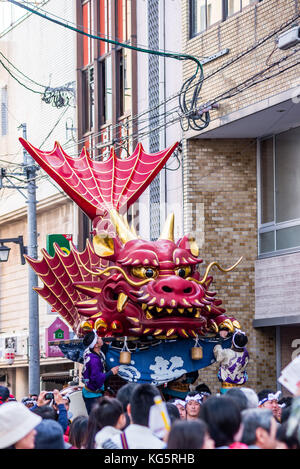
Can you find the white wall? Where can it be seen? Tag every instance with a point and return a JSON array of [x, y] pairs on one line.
[[170, 84], [46, 53]]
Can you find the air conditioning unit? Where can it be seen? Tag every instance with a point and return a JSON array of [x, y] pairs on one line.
[[289, 38]]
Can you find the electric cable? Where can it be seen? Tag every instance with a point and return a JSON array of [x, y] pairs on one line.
[[230, 62], [199, 69]]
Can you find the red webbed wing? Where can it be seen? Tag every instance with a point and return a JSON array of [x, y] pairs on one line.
[[99, 186], [59, 275]]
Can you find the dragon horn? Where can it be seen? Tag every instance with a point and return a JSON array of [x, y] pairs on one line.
[[168, 229], [123, 231]]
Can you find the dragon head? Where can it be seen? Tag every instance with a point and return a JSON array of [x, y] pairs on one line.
[[150, 287]]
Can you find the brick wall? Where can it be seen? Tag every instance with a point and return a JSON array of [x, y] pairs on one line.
[[219, 184], [220, 196], [250, 37]]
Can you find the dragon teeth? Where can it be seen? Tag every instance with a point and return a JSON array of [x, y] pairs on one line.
[[183, 333], [132, 319], [122, 298]]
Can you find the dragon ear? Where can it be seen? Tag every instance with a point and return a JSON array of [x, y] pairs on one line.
[[189, 243], [104, 246]]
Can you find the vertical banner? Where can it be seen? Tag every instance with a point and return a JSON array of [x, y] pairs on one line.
[[63, 240]]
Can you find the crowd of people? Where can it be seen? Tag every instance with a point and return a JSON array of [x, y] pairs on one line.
[[238, 419]]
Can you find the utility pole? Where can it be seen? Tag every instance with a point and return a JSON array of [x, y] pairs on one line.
[[33, 339]]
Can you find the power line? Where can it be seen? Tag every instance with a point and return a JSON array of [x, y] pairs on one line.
[[184, 106], [230, 62], [172, 55]]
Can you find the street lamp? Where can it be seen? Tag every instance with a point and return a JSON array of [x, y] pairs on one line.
[[4, 250]]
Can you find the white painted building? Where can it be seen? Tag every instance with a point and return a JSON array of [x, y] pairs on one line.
[[159, 28], [35, 54]]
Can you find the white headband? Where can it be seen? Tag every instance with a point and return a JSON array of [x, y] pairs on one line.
[[270, 397], [92, 344], [233, 341], [197, 398], [179, 401]]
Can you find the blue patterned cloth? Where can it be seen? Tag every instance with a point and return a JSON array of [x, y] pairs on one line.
[[159, 364]]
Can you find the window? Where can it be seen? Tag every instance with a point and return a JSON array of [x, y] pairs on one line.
[[279, 189], [88, 99], [205, 13], [106, 108], [124, 70], [4, 116]]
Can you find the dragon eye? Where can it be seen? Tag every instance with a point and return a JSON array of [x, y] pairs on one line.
[[183, 271], [142, 272]]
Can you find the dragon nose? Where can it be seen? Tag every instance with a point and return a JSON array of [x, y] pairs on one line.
[[174, 285]]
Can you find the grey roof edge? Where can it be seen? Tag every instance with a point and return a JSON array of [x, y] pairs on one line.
[[277, 321]]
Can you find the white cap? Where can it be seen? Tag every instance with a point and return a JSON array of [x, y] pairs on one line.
[[16, 421]]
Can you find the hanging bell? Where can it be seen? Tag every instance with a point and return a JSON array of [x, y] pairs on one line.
[[125, 357], [197, 353], [197, 350]]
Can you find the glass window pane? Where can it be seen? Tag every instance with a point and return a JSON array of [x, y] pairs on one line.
[[233, 6], [288, 237], [267, 181], [198, 19], [108, 90], [214, 12], [247, 2], [267, 242], [85, 96], [4, 113], [287, 157]]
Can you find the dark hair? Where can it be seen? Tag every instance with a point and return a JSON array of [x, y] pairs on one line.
[[239, 398], [94, 425], [4, 394], [103, 413], [173, 412], [187, 434], [45, 411], [141, 401], [223, 419], [240, 340], [202, 388], [124, 394], [192, 393], [77, 433], [291, 441], [110, 410]]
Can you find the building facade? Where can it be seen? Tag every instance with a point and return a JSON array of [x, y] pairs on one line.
[[241, 172], [37, 90]]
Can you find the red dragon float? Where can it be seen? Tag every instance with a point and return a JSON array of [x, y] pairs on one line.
[[121, 285]]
